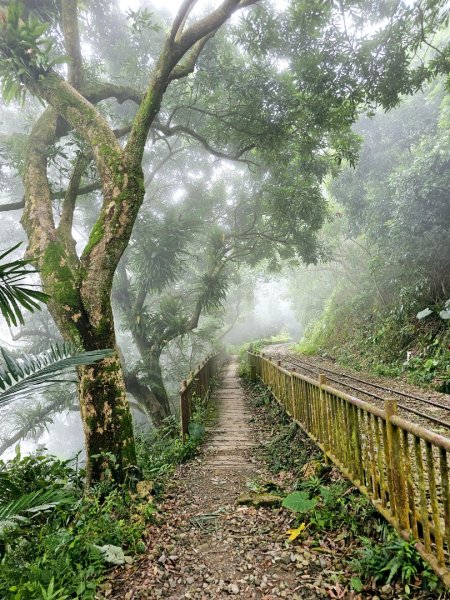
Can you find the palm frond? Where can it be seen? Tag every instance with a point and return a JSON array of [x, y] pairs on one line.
[[14, 296], [28, 373], [8, 489], [28, 505]]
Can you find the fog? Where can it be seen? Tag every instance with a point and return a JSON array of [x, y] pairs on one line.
[[335, 237]]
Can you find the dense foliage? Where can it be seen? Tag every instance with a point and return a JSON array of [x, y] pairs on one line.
[[384, 302]]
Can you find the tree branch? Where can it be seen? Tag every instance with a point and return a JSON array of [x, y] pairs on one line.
[[174, 50], [69, 21], [37, 218], [70, 198], [188, 65], [12, 206], [170, 131], [180, 18]]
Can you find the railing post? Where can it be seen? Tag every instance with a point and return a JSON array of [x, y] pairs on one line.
[[324, 415], [293, 403], [399, 503], [252, 367], [184, 411]]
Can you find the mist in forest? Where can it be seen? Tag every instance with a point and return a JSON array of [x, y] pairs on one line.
[[307, 238]]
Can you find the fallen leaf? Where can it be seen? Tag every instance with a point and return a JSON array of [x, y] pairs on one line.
[[294, 533]]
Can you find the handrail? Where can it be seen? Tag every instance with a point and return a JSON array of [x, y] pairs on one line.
[[198, 385], [401, 467]]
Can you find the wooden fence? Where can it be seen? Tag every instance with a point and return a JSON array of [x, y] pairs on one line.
[[197, 386], [401, 467]]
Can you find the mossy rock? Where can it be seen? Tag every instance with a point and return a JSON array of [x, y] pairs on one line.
[[254, 499]]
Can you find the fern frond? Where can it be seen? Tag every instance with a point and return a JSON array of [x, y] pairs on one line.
[[8, 489]]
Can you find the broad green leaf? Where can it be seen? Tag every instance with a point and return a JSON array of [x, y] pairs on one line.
[[299, 502], [28, 373], [196, 430]]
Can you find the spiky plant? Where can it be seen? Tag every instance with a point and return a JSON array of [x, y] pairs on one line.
[[14, 295], [28, 373]]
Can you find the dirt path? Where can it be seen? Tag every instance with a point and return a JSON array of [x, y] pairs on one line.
[[209, 546]]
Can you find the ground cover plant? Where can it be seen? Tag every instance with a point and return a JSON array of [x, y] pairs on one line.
[[331, 517], [63, 544]]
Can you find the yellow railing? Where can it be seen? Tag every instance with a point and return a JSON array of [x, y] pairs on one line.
[[401, 467], [196, 387]]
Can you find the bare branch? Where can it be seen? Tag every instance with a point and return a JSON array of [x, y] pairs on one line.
[[70, 198], [188, 65], [12, 206], [181, 17], [160, 165]]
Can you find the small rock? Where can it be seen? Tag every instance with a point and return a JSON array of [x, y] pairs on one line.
[[233, 589]]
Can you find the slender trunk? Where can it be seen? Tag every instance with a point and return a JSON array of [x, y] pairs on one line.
[[151, 358], [152, 363], [146, 399]]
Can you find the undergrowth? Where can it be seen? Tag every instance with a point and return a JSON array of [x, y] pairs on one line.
[[329, 507], [63, 550]]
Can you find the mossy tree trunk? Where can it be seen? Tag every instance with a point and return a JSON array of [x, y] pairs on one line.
[[80, 287]]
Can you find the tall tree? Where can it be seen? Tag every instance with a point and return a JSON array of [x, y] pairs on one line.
[[80, 287]]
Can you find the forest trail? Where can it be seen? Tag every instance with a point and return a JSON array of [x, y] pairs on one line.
[[209, 545]]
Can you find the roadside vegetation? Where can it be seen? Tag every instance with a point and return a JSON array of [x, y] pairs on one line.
[[58, 541], [332, 520], [383, 302]]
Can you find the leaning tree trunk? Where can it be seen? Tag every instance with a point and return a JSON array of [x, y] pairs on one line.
[[105, 412], [151, 356], [79, 291]]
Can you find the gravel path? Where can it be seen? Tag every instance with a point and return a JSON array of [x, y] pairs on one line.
[[209, 546]]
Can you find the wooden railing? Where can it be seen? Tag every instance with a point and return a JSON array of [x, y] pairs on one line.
[[401, 467], [198, 386]]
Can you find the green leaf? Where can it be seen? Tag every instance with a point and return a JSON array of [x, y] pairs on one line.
[[34, 502], [13, 294], [196, 430], [356, 584], [299, 502]]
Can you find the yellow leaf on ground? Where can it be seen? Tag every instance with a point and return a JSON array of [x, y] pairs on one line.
[[294, 533]]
